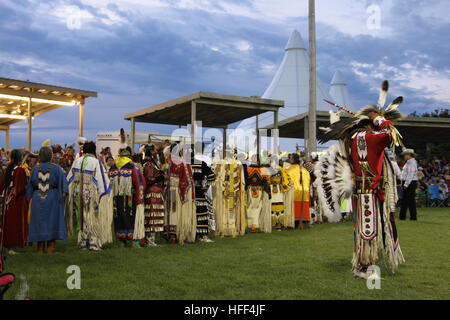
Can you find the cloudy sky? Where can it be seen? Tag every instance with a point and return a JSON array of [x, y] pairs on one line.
[[136, 53]]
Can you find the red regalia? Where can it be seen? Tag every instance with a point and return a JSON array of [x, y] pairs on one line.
[[15, 210], [359, 167]]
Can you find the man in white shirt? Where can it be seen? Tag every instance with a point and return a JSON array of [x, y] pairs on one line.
[[409, 184]]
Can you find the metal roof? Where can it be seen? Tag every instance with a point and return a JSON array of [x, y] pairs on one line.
[[214, 110]]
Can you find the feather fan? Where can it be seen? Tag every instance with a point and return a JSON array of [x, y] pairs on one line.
[[334, 181]]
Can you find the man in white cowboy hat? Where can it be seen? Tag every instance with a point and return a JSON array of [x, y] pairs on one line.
[[80, 141], [409, 184]]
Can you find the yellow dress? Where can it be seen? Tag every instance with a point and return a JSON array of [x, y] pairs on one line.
[[302, 180]]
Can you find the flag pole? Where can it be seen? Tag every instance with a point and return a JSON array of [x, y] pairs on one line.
[[312, 138]]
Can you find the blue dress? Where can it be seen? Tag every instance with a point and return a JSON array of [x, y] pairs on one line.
[[46, 189]]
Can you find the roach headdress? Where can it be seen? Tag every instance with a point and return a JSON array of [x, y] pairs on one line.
[[347, 126]]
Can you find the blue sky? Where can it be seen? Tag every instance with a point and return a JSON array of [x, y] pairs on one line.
[[137, 53]]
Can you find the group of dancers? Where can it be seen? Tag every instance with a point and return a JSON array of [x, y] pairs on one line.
[[171, 193]]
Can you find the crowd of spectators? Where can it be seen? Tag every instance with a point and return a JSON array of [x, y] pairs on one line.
[[433, 182]]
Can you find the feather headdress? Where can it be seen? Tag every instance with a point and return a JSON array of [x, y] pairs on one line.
[[124, 149], [346, 126], [47, 143]]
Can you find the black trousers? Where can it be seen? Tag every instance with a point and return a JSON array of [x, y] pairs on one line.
[[409, 201]]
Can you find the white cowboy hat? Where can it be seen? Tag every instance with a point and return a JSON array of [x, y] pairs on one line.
[[81, 140], [408, 151]]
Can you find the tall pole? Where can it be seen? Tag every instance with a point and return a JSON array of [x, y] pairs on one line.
[[312, 141]]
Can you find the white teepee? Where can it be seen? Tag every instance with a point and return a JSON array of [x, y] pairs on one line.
[[291, 84], [339, 91]]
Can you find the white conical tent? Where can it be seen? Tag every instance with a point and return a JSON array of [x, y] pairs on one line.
[[291, 84], [339, 91]]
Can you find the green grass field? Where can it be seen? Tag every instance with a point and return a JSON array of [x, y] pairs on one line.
[[294, 264]]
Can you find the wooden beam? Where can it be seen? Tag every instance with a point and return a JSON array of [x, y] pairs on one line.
[[234, 98], [37, 95], [39, 86], [239, 105], [161, 106], [81, 119], [220, 99]]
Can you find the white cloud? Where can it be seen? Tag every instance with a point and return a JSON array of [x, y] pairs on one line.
[[243, 45], [427, 82]]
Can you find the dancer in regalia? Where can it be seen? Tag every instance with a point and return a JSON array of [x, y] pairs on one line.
[[154, 194], [15, 206], [46, 189], [89, 200], [127, 190], [361, 155], [203, 176], [301, 179], [181, 217], [280, 184], [258, 199], [229, 198]]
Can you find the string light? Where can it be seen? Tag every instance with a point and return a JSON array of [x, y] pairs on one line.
[[39, 100]]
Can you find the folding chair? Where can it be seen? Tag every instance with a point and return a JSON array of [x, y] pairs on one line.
[[434, 197]]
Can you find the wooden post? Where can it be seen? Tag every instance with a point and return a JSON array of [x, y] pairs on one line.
[[29, 121], [275, 134], [81, 118], [193, 120], [7, 138], [257, 140], [133, 134], [224, 142], [312, 141]]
